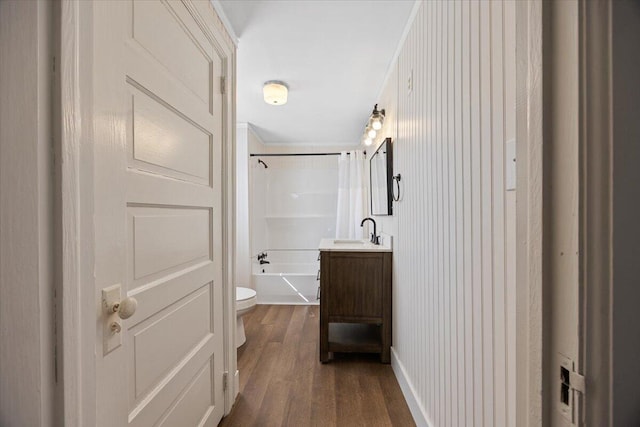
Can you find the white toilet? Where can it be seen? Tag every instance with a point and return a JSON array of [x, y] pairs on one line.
[[245, 302]]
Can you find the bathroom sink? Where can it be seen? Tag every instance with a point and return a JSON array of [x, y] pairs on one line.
[[354, 245], [348, 242]]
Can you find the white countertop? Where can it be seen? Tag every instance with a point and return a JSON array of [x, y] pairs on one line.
[[346, 245]]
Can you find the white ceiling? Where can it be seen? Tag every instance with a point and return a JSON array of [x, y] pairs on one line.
[[333, 55]]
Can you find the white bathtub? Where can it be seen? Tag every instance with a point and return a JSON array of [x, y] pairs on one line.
[[290, 278]]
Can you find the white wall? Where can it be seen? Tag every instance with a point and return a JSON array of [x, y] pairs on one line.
[[257, 198], [454, 237], [242, 258], [26, 210]]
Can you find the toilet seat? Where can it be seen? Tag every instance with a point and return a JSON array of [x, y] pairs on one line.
[[245, 298]]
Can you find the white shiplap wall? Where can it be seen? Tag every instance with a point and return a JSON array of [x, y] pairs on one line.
[[454, 247]]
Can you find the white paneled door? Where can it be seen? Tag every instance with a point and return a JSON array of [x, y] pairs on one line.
[[157, 103]]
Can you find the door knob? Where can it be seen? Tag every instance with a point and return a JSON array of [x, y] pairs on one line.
[[125, 308]]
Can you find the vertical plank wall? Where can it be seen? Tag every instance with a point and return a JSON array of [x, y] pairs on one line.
[[454, 248]]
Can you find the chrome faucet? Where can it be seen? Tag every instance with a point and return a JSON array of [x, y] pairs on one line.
[[374, 236]]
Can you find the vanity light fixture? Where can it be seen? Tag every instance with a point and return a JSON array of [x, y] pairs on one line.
[[275, 92], [374, 124], [377, 118]]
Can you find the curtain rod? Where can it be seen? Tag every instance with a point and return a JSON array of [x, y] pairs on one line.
[[297, 154]]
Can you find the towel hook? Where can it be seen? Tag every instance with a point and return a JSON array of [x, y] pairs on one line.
[[396, 179]]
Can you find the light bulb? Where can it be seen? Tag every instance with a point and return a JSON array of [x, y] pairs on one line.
[[368, 141], [376, 124], [372, 133]]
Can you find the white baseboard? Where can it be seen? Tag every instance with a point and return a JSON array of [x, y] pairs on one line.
[[417, 410]]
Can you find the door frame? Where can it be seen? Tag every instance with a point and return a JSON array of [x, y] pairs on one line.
[[529, 197], [534, 393], [75, 255], [596, 210]]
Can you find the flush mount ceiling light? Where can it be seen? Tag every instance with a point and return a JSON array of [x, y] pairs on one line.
[[374, 124], [275, 92]]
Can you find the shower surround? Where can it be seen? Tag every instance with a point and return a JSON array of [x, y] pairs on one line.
[[293, 204]]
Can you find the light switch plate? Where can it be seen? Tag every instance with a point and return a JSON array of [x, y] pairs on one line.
[[110, 339], [510, 165]]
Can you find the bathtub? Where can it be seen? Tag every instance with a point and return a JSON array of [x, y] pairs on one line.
[[290, 278]]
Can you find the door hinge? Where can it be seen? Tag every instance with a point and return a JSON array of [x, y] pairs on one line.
[[225, 380], [577, 382], [572, 391], [223, 84]]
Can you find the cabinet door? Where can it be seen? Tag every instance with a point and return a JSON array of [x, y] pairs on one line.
[[355, 286]]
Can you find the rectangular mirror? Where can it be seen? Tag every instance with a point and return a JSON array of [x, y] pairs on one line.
[[380, 179]]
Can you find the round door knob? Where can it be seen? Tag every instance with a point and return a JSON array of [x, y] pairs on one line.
[[125, 308]]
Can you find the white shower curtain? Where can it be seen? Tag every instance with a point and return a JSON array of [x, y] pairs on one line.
[[351, 195]]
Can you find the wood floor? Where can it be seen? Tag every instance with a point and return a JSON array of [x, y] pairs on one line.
[[283, 383]]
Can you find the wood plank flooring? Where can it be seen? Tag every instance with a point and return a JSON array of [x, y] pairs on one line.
[[283, 383]]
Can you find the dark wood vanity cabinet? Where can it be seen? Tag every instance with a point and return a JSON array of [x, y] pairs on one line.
[[355, 303]]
